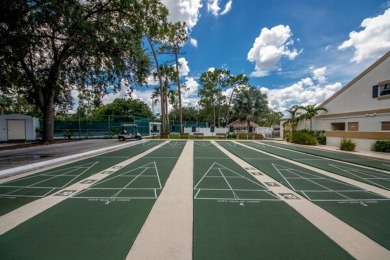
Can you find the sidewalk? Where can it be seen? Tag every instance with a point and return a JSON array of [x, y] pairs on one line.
[[20, 160]]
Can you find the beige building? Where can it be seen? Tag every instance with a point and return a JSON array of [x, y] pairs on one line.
[[360, 110]]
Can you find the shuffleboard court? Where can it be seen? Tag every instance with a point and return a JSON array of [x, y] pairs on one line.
[[365, 211], [365, 161], [101, 222], [20, 191], [376, 177], [237, 217]]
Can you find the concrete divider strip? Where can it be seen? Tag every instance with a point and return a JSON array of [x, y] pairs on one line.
[[167, 232]]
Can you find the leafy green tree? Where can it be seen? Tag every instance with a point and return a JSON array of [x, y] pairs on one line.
[[177, 36], [48, 48], [295, 116], [122, 108], [311, 111], [235, 81], [271, 118], [211, 97], [168, 75], [249, 104]]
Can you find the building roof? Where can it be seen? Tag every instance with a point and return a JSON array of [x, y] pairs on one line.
[[239, 123], [374, 65]]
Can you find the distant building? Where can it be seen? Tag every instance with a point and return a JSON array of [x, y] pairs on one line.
[[16, 127], [360, 110]]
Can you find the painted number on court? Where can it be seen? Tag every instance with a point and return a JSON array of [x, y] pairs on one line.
[[87, 181], [117, 167], [272, 184], [66, 193], [289, 196], [107, 172]]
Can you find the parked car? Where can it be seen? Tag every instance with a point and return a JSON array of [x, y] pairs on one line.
[[129, 131]]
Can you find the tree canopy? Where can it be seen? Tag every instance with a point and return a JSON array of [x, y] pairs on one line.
[[49, 48], [249, 104], [122, 108]]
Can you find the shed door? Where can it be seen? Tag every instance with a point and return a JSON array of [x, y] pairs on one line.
[[16, 129]]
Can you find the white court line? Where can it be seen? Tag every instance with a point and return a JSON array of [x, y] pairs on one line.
[[320, 185], [292, 171], [343, 234], [75, 168], [361, 171], [366, 179], [330, 159], [25, 212], [231, 189]]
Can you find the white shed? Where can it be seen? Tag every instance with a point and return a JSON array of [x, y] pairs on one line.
[[16, 127]]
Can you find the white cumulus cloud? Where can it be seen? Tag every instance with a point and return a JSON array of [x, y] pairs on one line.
[[190, 93], [194, 42], [183, 67], [271, 45], [319, 74], [309, 90], [372, 41], [213, 6], [187, 11]]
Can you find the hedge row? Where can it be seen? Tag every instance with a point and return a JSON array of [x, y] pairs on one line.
[[383, 146]]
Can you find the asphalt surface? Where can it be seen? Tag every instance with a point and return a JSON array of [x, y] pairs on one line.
[[11, 158]]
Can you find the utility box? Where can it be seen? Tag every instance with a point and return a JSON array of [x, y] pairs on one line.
[[16, 127]]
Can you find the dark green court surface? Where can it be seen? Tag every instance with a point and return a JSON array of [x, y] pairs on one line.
[[99, 223], [361, 160], [365, 211], [18, 192], [236, 217], [370, 176]]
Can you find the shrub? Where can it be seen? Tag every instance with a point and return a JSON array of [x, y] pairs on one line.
[[303, 137], [287, 136], [232, 136], [68, 133], [347, 144], [321, 137], [383, 146]]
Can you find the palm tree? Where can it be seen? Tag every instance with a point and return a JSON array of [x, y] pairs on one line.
[[249, 104], [311, 111], [294, 118]]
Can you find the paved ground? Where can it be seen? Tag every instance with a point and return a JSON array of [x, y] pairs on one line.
[[10, 158], [241, 200]]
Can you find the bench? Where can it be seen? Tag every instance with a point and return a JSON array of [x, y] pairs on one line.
[[257, 137], [242, 136], [198, 135], [184, 135], [220, 135]]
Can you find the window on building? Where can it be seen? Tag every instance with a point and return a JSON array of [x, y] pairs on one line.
[[353, 126], [338, 126], [384, 88], [386, 126]]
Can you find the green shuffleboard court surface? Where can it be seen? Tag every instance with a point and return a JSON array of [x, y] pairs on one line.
[[237, 217], [101, 222], [371, 176], [380, 164], [363, 210], [18, 192]]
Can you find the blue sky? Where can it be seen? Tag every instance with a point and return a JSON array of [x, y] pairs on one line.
[[297, 51]]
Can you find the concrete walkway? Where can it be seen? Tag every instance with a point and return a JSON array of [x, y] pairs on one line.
[[167, 232]]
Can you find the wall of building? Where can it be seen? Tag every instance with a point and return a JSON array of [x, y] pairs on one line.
[[358, 95], [31, 124]]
